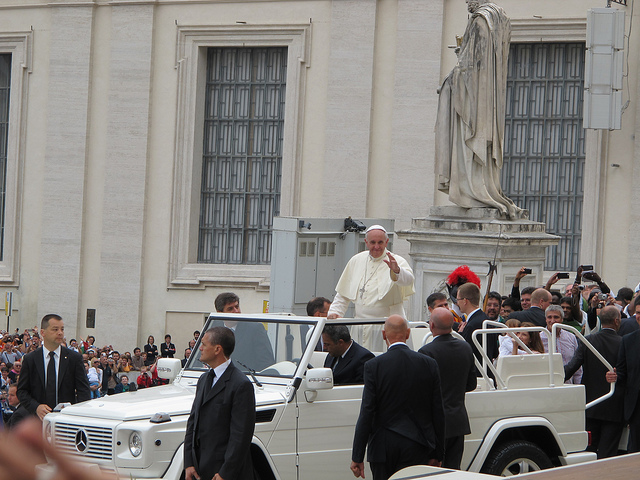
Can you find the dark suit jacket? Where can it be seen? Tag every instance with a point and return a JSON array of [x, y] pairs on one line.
[[401, 396], [534, 315], [628, 325], [607, 342], [253, 347], [457, 376], [350, 368], [628, 370], [220, 427], [167, 351], [474, 323], [17, 416], [73, 385], [152, 353]]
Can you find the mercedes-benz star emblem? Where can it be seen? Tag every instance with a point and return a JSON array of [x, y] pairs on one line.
[[82, 442]]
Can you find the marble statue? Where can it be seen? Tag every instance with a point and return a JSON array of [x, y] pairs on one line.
[[471, 114]]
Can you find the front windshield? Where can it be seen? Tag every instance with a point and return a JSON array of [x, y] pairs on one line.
[[270, 348]]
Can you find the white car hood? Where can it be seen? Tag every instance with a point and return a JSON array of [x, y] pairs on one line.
[[173, 399]]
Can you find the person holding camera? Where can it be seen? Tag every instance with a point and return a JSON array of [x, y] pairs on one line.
[[540, 300], [523, 297], [109, 375]]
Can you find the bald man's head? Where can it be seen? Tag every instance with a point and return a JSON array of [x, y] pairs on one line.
[[396, 329], [441, 321], [610, 317]]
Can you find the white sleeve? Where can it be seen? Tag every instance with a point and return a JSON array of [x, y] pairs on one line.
[[405, 277], [506, 346], [339, 305]]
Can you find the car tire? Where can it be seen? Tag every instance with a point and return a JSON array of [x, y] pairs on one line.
[[515, 458]]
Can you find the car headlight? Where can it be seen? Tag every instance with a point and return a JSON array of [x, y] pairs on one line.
[[135, 444], [48, 431]]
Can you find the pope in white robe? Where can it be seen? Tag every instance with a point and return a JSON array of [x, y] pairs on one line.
[[377, 282]]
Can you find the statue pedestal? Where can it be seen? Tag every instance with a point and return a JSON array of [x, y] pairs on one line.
[[452, 236]]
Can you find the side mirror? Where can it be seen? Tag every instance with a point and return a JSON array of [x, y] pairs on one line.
[[168, 368], [317, 379]]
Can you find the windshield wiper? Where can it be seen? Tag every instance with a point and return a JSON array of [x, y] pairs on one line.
[[251, 372]]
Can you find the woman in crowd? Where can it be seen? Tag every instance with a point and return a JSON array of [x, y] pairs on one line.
[[506, 342], [168, 349], [530, 339], [123, 365], [151, 350]]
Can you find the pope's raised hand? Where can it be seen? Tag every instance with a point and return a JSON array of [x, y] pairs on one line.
[[393, 265]]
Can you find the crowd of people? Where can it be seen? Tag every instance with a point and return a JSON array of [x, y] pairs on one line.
[[586, 304], [108, 371]]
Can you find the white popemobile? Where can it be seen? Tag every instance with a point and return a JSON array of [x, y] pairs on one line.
[[526, 419]]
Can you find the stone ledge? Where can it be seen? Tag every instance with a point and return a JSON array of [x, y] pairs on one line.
[[478, 213]]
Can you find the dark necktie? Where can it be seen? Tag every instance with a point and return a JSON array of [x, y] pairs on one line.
[[51, 396], [208, 383]]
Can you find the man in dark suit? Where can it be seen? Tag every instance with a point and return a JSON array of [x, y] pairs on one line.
[[217, 442], [627, 375], [253, 347], [401, 420], [628, 325], [346, 358], [52, 374], [457, 376], [187, 354], [468, 300], [605, 420], [316, 307], [540, 300], [19, 412]]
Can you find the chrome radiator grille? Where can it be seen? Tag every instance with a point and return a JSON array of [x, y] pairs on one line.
[[92, 442]]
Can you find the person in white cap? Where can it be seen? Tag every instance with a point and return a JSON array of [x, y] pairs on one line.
[[376, 281]]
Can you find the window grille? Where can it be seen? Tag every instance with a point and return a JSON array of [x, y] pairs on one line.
[[5, 90], [242, 154], [544, 146]]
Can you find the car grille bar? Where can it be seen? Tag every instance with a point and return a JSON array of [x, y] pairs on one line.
[[99, 440]]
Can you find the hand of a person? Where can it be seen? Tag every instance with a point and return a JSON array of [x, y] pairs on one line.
[[24, 448], [593, 276], [461, 326], [521, 273], [217, 477], [392, 264], [332, 316], [42, 410], [190, 474], [612, 377], [575, 290], [610, 299], [553, 280], [434, 463], [358, 469]]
